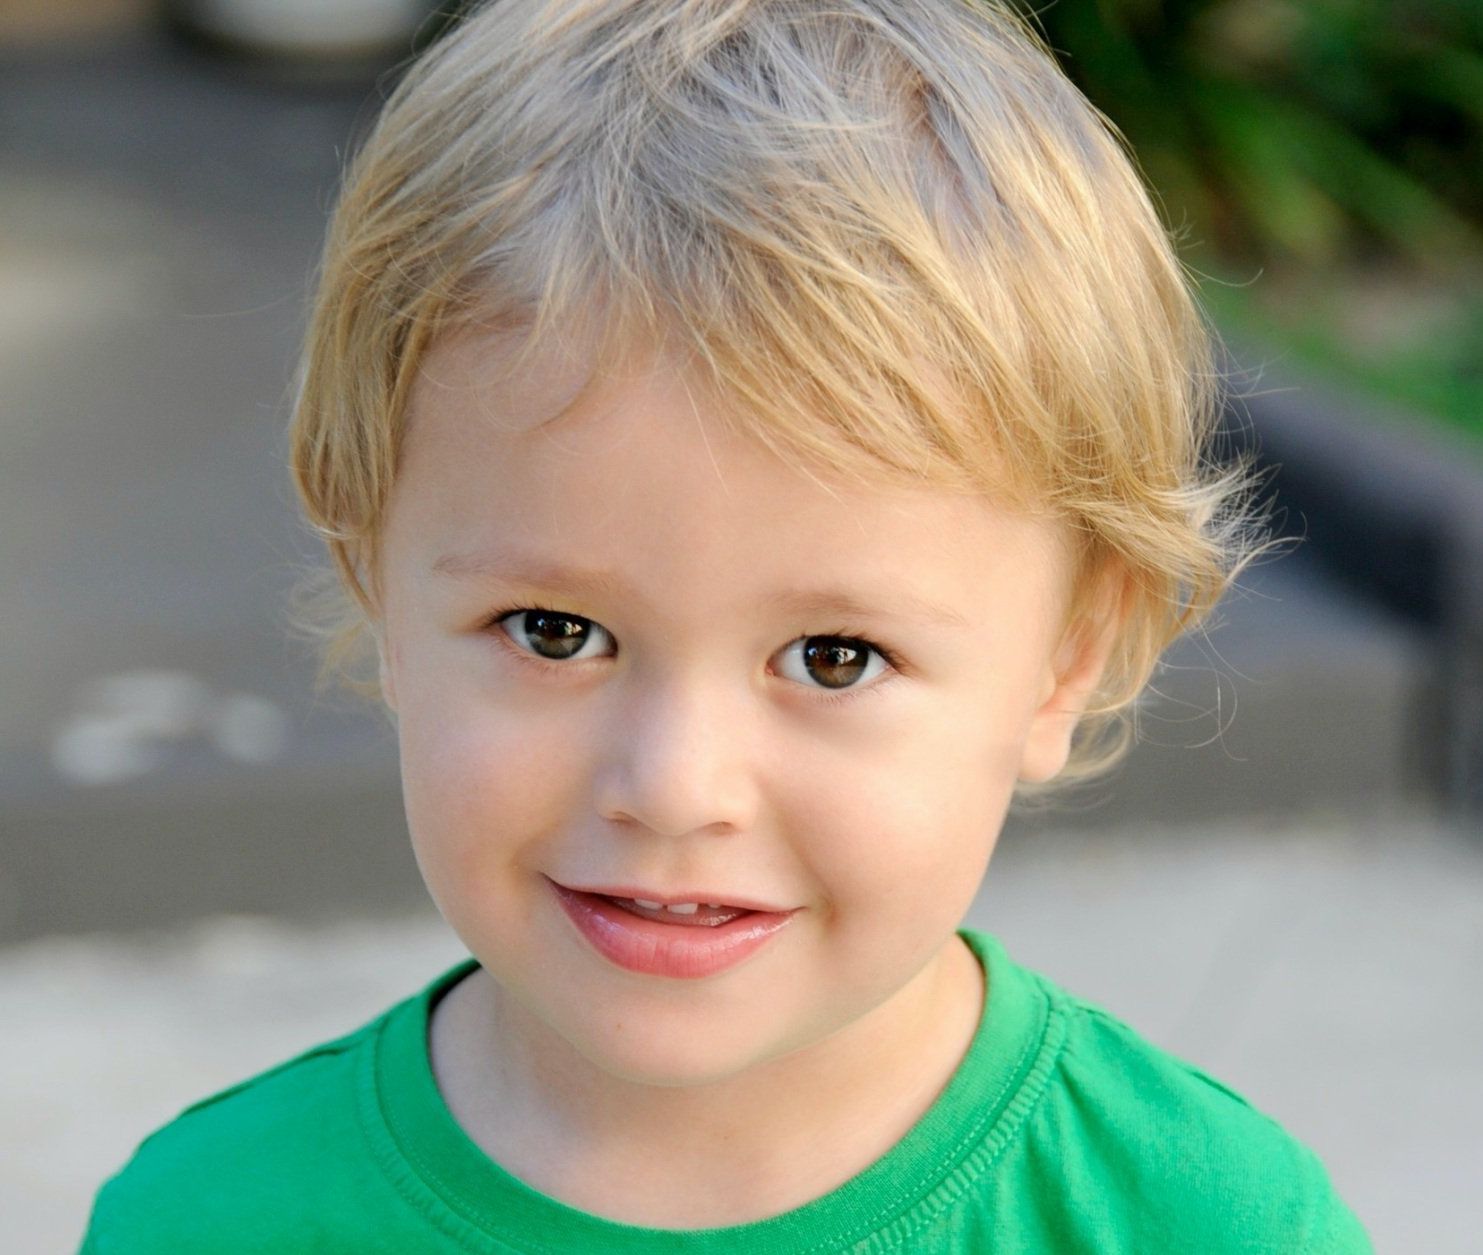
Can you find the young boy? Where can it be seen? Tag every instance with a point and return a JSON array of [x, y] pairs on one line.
[[762, 439]]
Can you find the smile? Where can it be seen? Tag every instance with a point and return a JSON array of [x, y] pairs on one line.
[[683, 939]]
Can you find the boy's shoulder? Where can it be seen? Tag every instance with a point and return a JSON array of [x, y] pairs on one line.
[[264, 1164], [1179, 1151]]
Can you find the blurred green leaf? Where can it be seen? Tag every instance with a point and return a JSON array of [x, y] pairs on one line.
[[1265, 175]]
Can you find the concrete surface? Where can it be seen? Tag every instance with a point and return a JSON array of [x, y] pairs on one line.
[[1332, 975]]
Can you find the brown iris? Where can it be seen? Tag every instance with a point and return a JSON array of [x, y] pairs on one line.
[[835, 661], [556, 636]]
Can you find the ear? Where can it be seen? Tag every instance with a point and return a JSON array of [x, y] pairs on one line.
[[1069, 680]]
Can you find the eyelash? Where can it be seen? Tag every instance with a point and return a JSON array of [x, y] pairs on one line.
[[831, 697]]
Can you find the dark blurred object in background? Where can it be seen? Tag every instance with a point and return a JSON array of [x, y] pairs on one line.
[[324, 33], [29, 23], [309, 38]]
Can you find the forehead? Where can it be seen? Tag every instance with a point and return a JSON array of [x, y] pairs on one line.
[[495, 377], [510, 451]]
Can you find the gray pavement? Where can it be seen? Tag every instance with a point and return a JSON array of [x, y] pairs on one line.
[[1329, 974]]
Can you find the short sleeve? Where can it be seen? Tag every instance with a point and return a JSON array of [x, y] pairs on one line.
[[1336, 1230]]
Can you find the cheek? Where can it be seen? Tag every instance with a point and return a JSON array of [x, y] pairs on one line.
[[479, 782], [907, 829]]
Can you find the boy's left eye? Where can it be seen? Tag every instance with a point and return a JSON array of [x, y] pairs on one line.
[[551, 634], [831, 662]]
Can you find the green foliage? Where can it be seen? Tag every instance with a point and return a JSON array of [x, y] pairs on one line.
[[1313, 131]]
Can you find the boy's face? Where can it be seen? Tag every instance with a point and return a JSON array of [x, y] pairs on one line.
[[697, 715]]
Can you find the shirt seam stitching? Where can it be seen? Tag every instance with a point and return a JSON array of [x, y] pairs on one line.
[[955, 1185], [434, 1201], [952, 1182]]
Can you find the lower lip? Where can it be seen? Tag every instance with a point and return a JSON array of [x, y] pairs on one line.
[[685, 951]]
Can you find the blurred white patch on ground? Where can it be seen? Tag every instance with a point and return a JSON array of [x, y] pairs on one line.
[[120, 726]]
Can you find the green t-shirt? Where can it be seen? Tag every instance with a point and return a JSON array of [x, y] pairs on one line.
[[1061, 1131]]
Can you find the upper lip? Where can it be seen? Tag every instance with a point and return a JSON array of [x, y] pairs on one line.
[[671, 899]]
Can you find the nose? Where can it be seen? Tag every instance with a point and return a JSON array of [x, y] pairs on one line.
[[678, 761]]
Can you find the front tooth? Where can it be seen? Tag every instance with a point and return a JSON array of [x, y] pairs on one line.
[[715, 906], [648, 906], [684, 908]]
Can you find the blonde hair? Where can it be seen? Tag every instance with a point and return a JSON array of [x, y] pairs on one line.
[[891, 229]]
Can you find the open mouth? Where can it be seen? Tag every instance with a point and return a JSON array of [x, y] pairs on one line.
[[674, 938], [685, 914]]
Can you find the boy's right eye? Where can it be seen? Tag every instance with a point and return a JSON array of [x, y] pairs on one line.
[[554, 635]]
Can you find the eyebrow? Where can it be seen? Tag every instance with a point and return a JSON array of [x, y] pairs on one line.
[[535, 574], [579, 581]]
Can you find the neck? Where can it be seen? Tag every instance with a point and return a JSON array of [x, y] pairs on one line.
[[727, 1152]]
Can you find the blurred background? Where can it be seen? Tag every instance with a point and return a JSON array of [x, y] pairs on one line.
[[204, 866]]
